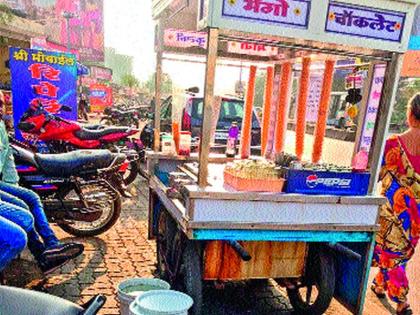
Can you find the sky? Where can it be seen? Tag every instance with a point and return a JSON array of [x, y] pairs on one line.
[[129, 29]]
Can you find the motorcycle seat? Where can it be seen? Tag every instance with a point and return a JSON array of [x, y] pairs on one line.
[[125, 112], [76, 162], [89, 134], [93, 126], [24, 155]]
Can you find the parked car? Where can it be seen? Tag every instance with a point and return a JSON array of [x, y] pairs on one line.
[[231, 110]]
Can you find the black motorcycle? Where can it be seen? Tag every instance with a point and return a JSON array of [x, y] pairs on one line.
[[123, 116], [80, 190]]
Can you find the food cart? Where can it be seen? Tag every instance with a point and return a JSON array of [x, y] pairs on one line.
[[313, 242]]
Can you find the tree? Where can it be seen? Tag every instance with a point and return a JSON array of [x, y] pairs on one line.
[[406, 89], [259, 89], [6, 14], [130, 81], [166, 84]]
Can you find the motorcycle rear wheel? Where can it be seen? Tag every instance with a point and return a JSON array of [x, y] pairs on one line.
[[106, 200]]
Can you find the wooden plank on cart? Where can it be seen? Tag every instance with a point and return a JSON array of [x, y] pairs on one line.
[[269, 260], [213, 34]]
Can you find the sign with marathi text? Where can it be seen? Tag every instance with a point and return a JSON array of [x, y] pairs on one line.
[[184, 39], [289, 13], [415, 32], [100, 97], [314, 96], [81, 27], [365, 22], [41, 43], [45, 77], [252, 49], [101, 73], [372, 108]]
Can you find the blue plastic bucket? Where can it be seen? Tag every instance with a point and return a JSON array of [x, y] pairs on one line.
[[161, 302]]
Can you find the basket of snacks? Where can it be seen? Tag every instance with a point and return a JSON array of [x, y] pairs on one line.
[[253, 175]]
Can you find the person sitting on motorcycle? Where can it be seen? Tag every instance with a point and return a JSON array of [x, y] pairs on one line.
[[16, 202], [13, 237]]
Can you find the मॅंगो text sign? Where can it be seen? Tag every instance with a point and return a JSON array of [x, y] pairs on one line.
[[43, 77], [289, 13], [184, 39], [365, 22], [252, 49]]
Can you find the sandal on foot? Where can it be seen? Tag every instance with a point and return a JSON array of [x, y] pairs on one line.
[[378, 295]]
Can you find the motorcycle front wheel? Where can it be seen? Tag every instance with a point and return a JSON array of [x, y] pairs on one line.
[[101, 198]]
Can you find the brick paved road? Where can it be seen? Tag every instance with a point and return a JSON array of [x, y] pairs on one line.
[[125, 252]]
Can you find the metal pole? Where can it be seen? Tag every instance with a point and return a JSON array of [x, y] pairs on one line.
[[158, 83], [68, 32], [390, 87], [213, 34]]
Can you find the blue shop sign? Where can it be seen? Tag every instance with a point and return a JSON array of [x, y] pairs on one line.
[[365, 22]]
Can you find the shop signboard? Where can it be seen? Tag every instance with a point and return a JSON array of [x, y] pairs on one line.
[[375, 93], [81, 27], [367, 22], [314, 96], [354, 81], [289, 13], [100, 97], [101, 73], [411, 64], [41, 43], [45, 77], [184, 39], [414, 43], [244, 48], [384, 25]]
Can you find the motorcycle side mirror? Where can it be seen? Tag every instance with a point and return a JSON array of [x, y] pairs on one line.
[[66, 108]]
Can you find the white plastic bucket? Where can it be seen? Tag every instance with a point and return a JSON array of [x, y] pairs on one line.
[[129, 289], [161, 302]]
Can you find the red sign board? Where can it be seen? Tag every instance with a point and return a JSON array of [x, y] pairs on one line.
[[100, 97]]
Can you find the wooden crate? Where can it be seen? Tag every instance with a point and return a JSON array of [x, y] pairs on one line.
[[269, 260]]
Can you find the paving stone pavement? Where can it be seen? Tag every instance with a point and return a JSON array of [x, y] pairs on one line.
[[125, 252]]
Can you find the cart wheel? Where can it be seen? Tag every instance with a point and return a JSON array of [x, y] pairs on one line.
[[189, 279], [315, 295], [166, 232]]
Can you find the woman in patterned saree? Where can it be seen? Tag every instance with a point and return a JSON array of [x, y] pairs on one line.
[[400, 216]]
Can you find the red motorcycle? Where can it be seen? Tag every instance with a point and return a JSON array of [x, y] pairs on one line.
[[61, 135]]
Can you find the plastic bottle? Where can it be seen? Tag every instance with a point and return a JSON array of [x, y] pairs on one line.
[[168, 145], [231, 140], [185, 143]]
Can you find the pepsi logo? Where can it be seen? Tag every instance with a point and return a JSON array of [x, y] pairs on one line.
[[312, 181]]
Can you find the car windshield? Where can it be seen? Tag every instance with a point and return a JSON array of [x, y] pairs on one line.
[[230, 111]]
